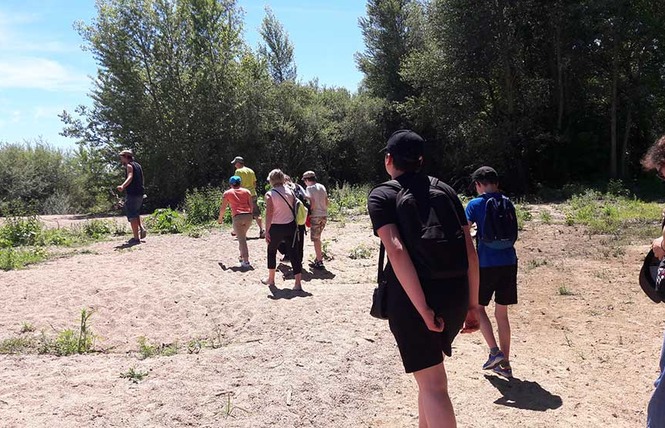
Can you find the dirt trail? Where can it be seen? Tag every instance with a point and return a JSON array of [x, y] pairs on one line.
[[586, 359]]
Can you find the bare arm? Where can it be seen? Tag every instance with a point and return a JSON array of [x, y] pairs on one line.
[[406, 274], [471, 323], [222, 211], [128, 180], [269, 209]]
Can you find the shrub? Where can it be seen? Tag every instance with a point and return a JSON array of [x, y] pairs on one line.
[[201, 206], [165, 220], [347, 199], [57, 203], [362, 251], [97, 229], [20, 231], [11, 258], [523, 215]]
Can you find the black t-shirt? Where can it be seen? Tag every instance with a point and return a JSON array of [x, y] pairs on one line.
[[382, 200], [135, 188]]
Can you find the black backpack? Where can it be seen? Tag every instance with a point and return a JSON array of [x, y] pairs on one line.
[[500, 225], [431, 230]]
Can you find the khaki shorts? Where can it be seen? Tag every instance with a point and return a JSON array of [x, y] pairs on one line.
[[318, 224]]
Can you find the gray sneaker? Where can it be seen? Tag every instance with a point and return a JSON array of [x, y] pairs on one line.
[[143, 232]]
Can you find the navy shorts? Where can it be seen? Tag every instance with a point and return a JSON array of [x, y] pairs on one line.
[[419, 347], [500, 282], [133, 205]]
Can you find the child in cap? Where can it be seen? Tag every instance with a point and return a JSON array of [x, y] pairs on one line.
[[498, 268]]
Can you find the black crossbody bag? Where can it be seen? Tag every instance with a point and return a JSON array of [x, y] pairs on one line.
[[379, 307]]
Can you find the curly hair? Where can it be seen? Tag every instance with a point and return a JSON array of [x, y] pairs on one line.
[[655, 156]]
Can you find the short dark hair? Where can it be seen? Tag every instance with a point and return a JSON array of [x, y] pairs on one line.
[[655, 156], [407, 165], [486, 181]]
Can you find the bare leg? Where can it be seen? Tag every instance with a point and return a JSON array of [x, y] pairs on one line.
[[422, 422], [486, 328], [135, 223], [298, 284], [259, 223], [271, 278], [433, 398], [317, 250], [503, 325]]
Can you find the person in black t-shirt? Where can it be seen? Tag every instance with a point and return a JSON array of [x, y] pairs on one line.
[[133, 185], [424, 315]]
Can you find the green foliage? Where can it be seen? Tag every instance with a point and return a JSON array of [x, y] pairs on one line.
[[70, 342], [11, 258], [362, 251], [20, 231], [16, 345], [201, 206], [134, 375], [97, 229], [148, 350], [523, 215], [564, 291], [546, 217], [610, 214], [347, 199], [165, 220]]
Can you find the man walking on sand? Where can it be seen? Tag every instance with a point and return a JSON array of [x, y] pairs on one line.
[[133, 185], [494, 216], [248, 179], [318, 198]]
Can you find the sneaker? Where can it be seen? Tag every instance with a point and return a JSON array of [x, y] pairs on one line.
[[133, 241], [262, 234], [317, 264], [285, 258], [494, 360], [245, 265], [143, 232], [503, 369], [233, 233]]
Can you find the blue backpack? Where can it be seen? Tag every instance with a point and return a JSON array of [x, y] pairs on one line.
[[500, 226]]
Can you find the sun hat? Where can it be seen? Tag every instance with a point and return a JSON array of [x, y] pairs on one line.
[[126, 152], [235, 180], [406, 145], [309, 175], [648, 277], [238, 159]]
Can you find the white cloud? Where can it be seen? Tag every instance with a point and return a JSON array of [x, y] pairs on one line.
[[40, 73]]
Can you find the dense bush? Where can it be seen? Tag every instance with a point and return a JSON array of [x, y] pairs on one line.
[[165, 220], [201, 206]]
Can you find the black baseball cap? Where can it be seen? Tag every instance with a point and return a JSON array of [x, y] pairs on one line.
[[485, 173], [406, 145]]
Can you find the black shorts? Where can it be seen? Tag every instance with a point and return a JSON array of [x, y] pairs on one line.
[[500, 281], [419, 347]]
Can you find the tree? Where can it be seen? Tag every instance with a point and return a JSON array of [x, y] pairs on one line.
[[277, 49]]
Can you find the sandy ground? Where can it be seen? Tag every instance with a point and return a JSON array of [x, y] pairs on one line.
[[581, 360]]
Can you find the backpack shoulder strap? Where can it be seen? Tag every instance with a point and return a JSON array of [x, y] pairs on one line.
[[293, 209], [381, 276]]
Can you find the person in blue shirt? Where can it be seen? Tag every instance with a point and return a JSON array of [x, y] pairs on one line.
[[498, 275]]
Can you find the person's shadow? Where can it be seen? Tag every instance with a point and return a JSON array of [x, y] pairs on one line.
[[524, 394], [287, 273], [235, 268], [286, 293], [126, 245]]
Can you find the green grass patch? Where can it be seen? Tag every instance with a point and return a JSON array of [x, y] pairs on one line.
[[347, 199], [613, 214], [133, 375], [362, 251], [18, 258], [166, 220], [148, 350]]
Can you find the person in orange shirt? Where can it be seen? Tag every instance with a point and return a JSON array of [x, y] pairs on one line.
[[240, 200]]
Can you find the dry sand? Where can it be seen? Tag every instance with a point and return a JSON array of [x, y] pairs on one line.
[[584, 360]]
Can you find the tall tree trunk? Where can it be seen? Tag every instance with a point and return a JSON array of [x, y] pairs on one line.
[[559, 72], [613, 111], [624, 144]]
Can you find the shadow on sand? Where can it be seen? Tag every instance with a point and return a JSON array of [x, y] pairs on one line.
[[286, 293], [126, 245], [235, 268], [307, 276], [524, 394]]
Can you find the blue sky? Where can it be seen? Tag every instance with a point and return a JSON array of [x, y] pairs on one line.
[[43, 69]]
